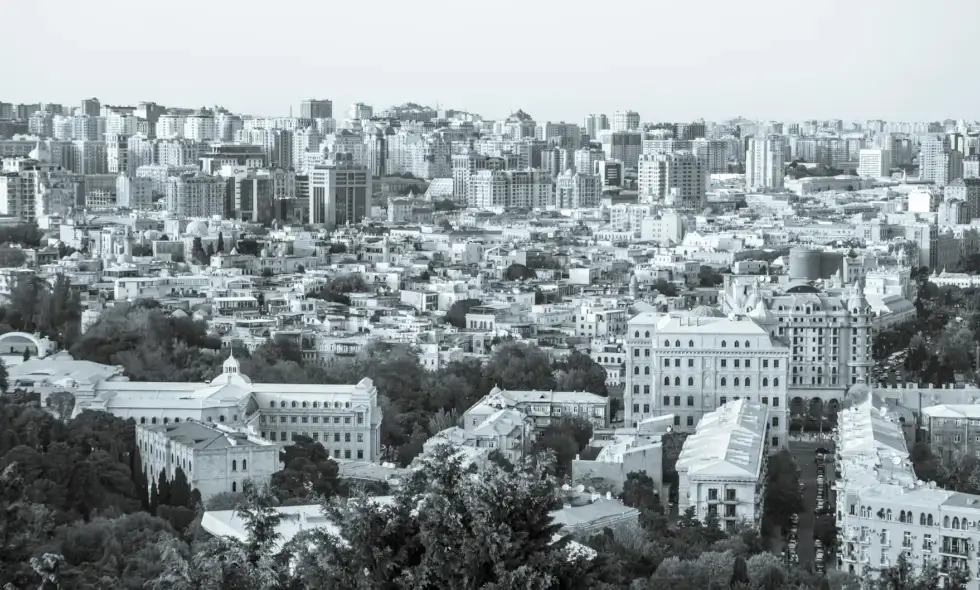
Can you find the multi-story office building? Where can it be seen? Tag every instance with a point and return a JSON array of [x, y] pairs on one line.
[[713, 154], [90, 108], [584, 159], [170, 126], [721, 469], [874, 163], [677, 179], [340, 192], [89, 157], [594, 124], [314, 108], [213, 457], [359, 111], [117, 155], [690, 363], [304, 140], [577, 190], [197, 195], [134, 193], [885, 512], [625, 121], [966, 190], [564, 135], [764, 164], [624, 146], [938, 161]]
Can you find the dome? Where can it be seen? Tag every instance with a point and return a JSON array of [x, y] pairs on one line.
[[760, 313]]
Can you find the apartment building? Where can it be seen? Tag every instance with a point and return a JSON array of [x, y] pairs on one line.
[[721, 469], [884, 511], [954, 430], [689, 364], [542, 407]]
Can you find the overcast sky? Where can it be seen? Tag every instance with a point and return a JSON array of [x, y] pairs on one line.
[[669, 60]]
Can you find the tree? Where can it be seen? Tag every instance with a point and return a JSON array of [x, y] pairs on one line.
[[4, 379], [209, 252], [458, 310], [518, 272], [578, 372], [783, 496], [12, 257], [249, 247], [520, 366], [221, 242], [62, 403], [565, 439], [446, 529]]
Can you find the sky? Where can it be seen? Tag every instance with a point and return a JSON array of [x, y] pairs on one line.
[[670, 61]]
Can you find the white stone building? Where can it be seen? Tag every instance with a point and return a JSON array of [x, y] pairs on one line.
[[722, 468]]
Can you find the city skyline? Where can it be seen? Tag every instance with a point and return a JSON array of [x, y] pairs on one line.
[[787, 62]]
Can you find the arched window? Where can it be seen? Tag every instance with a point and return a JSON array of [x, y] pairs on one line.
[[316, 404], [234, 486], [646, 370], [646, 334], [166, 420], [244, 464], [346, 404], [946, 522], [901, 515], [636, 370], [723, 381], [666, 343], [234, 465], [929, 520], [690, 381], [153, 420], [765, 381], [748, 382], [636, 334], [736, 344], [746, 344], [956, 522], [209, 419], [666, 381], [690, 344], [221, 418], [282, 404], [677, 343], [304, 404], [143, 420], [922, 519], [176, 420], [724, 344], [292, 404], [775, 381], [272, 404], [735, 382], [677, 381]]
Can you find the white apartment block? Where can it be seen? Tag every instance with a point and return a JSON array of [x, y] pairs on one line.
[[874, 163], [884, 511], [197, 195], [200, 127], [214, 457], [689, 364], [584, 160], [543, 407], [721, 469], [677, 179], [577, 190], [764, 164], [625, 121], [510, 189], [596, 321]]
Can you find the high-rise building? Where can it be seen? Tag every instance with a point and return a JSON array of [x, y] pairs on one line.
[[971, 167], [91, 107], [625, 121], [360, 111], [938, 161], [134, 193], [117, 155], [197, 195], [304, 140], [678, 180], [874, 163], [694, 130], [315, 108], [624, 146], [966, 190], [89, 157], [340, 192], [593, 124], [584, 159], [577, 190], [713, 154], [764, 163]]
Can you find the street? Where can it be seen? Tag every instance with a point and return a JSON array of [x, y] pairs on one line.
[[805, 453]]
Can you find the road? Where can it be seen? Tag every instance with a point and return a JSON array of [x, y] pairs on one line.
[[805, 454]]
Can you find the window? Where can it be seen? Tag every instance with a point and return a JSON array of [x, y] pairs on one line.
[[775, 421], [677, 363], [666, 343], [666, 400], [724, 344], [677, 343], [646, 370], [712, 494], [244, 465], [775, 383], [775, 401], [765, 363], [636, 370], [724, 363], [234, 487], [234, 465], [746, 344], [729, 495], [677, 381], [690, 381], [292, 404], [153, 420], [636, 334], [346, 437], [677, 420], [735, 382], [272, 404], [723, 399], [765, 381], [748, 381], [748, 363], [765, 401], [360, 453], [690, 420], [736, 344], [646, 408], [690, 363], [666, 362], [666, 381], [723, 382], [690, 343], [221, 418], [360, 437]]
